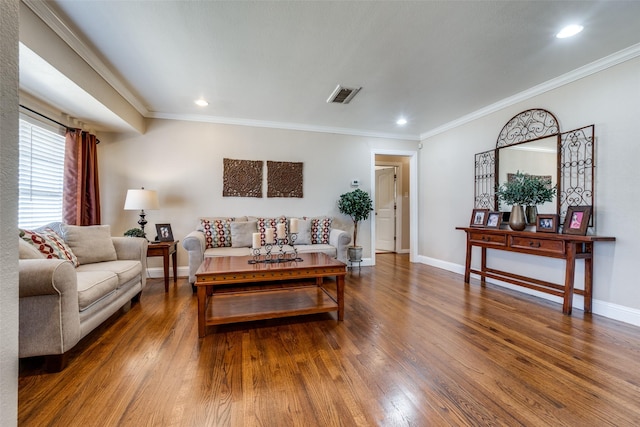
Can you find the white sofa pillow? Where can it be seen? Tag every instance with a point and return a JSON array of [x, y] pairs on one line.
[[91, 243], [304, 232], [242, 233]]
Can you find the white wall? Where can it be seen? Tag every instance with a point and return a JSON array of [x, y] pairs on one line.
[[183, 162], [8, 212], [609, 99]]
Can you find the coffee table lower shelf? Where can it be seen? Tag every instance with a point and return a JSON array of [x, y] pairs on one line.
[[243, 306]]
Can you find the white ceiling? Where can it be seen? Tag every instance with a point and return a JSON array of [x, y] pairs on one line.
[[274, 63]]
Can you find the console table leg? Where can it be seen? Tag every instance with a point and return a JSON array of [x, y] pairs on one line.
[[588, 281], [483, 266], [569, 278], [467, 263]]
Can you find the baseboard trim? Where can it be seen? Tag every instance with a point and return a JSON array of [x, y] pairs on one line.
[[158, 272], [601, 308]]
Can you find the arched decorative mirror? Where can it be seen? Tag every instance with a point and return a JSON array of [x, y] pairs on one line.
[[531, 142]]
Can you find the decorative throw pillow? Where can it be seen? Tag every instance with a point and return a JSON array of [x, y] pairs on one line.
[[90, 243], [264, 223], [217, 232], [320, 230], [49, 244], [242, 233], [304, 232]]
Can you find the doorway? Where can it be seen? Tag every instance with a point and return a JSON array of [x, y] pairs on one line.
[[395, 182]]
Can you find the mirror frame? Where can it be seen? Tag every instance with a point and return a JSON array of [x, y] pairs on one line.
[[575, 164]]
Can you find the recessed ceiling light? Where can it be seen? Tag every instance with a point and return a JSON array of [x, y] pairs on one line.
[[201, 102], [401, 121], [569, 31]]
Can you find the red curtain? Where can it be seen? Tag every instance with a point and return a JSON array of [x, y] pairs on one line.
[[81, 201]]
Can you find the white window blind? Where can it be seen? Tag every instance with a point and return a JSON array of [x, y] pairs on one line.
[[40, 173]]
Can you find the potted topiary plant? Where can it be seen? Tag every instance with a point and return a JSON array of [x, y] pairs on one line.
[[523, 191], [358, 206]]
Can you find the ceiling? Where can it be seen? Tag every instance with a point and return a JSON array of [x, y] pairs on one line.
[[275, 63]]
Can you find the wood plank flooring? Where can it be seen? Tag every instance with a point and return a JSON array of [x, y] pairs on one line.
[[417, 347]]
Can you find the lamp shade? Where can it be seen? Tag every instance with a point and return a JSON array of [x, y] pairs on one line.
[[141, 199]]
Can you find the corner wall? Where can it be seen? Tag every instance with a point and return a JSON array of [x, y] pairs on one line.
[[609, 99], [8, 212]]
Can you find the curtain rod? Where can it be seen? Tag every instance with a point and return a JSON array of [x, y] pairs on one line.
[[50, 119]]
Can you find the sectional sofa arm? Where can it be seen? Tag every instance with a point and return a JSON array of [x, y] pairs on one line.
[[39, 277], [340, 239], [49, 321], [195, 244], [133, 248]]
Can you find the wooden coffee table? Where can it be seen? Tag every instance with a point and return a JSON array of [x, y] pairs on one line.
[[250, 301]]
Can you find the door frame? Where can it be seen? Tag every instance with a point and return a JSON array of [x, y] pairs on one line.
[[413, 198]]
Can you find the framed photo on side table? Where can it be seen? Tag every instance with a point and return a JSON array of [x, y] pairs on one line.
[[494, 219], [547, 223], [164, 232], [577, 220], [479, 217]]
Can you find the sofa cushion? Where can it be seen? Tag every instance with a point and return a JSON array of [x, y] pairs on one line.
[[242, 233], [95, 285], [264, 223], [325, 249], [50, 244], [217, 232], [320, 230], [125, 270], [90, 243], [304, 232]]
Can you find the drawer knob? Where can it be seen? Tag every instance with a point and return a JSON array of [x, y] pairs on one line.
[[534, 244]]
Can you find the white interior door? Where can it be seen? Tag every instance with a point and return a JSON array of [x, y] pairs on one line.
[[385, 209]]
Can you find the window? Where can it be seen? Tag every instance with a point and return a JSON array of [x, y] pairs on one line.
[[40, 173]]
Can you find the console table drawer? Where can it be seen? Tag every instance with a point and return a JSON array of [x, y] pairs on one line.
[[543, 245], [488, 239]]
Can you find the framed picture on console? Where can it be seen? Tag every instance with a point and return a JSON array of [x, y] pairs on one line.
[[479, 217], [577, 220], [547, 223], [494, 219], [164, 233]]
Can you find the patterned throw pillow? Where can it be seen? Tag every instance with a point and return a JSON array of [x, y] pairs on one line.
[[320, 230], [264, 223], [49, 244], [217, 232]]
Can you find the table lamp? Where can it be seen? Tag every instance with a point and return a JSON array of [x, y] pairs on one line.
[[141, 199]]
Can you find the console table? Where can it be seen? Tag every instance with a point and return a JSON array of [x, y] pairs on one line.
[[564, 246]]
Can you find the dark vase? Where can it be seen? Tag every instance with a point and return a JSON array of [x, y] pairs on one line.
[[532, 214], [517, 220]]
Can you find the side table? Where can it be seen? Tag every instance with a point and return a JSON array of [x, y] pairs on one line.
[[164, 249]]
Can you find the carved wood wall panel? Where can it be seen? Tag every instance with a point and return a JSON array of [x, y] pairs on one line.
[[242, 178], [284, 179]]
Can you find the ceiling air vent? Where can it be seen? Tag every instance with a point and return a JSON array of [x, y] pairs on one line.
[[343, 95]]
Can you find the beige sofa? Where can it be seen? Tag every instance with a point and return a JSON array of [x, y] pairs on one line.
[[88, 276], [224, 236]]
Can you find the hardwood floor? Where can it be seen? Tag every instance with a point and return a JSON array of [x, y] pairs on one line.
[[417, 347]]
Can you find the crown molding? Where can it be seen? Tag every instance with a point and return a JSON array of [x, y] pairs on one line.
[[570, 77], [281, 125], [75, 42]]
